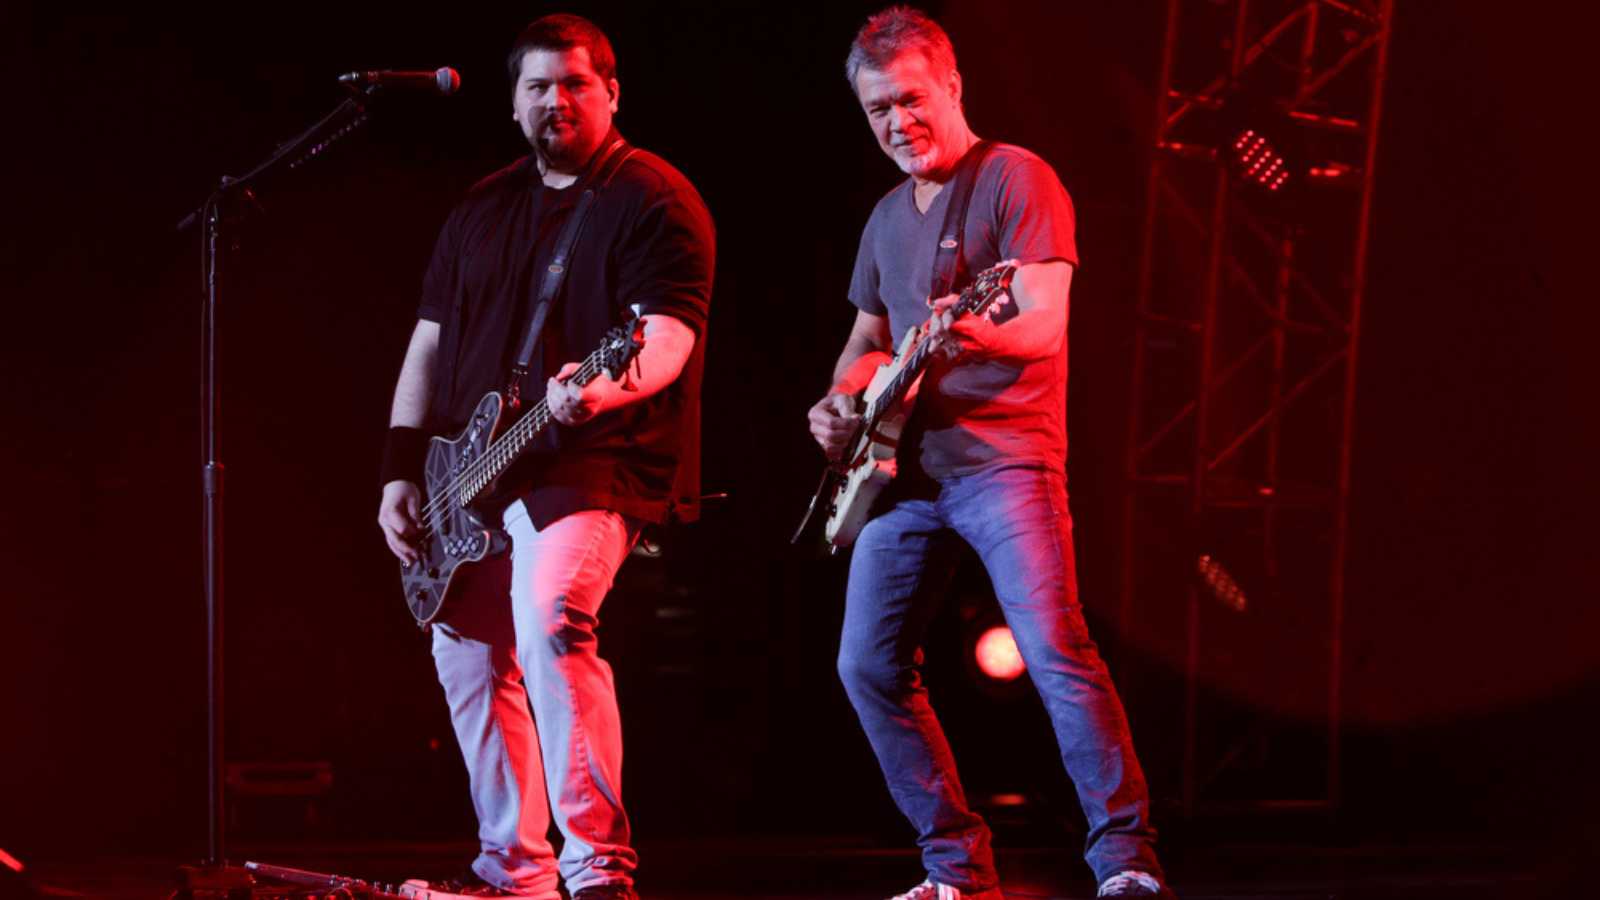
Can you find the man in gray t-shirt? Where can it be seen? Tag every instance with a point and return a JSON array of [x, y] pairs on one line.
[[1007, 407], [983, 460]]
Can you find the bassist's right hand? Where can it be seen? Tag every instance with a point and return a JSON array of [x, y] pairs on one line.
[[834, 421], [399, 515]]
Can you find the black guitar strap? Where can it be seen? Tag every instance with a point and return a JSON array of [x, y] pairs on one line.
[[948, 266], [609, 160]]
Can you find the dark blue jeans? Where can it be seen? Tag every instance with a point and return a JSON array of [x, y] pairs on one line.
[[1017, 521]]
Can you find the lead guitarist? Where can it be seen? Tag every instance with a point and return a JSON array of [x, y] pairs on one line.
[[982, 460], [623, 454]]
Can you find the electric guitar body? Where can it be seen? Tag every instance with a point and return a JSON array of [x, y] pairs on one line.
[[874, 453], [848, 490]]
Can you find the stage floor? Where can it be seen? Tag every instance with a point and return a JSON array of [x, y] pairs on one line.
[[812, 869]]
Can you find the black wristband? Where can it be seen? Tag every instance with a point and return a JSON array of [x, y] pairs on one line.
[[404, 451]]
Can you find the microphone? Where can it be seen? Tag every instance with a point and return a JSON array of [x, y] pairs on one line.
[[444, 81]]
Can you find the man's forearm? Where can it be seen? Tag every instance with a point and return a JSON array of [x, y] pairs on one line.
[[668, 343], [405, 446], [414, 388], [1040, 292], [856, 365]]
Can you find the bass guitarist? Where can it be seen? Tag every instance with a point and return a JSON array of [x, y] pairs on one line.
[[521, 633], [982, 459]]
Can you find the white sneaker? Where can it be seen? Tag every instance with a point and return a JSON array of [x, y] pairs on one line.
[[1132, 883], [933, 890], [473, 888]]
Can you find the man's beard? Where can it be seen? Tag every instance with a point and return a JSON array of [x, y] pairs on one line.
[[557, 150], [917, 164], [920, 164]]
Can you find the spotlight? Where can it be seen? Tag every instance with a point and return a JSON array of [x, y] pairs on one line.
[[1263, 148], [997, 655], [1219, 583], [1267, 157], [1258, 162]]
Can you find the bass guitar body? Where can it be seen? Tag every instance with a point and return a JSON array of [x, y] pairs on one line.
[[456, 533], [463, 470]]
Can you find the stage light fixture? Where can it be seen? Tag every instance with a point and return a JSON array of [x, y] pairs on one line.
[[1258, 161], [1263, 148], [997, 655], [1220, 584], [1266, 155]]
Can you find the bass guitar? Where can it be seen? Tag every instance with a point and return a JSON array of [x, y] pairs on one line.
[[849, 488], [463, 470]]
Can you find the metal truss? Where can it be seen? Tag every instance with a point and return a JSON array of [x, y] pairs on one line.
[[1238, 450]]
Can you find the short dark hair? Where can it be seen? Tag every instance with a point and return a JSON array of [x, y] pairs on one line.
[[894, 31], [563, 31]]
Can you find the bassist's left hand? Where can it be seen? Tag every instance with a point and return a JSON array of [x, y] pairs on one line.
[[570, 404]]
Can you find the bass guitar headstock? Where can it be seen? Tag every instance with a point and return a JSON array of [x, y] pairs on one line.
[[620, 347]]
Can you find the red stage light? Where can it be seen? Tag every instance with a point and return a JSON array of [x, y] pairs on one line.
[[997, 654], [1258, 161]]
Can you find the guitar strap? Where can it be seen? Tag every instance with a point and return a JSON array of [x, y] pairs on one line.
[[949, 268], [609, 160]]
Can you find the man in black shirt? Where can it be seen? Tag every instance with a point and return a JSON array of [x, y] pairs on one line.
[[622, 454]]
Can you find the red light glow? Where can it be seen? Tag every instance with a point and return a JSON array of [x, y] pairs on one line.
[[997, 655], [1260, 161]]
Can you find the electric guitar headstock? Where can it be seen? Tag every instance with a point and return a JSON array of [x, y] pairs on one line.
[[989, 292]]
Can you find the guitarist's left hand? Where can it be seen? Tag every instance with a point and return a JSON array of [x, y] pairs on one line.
[[570, 404], [1029, 324], [948, 336]]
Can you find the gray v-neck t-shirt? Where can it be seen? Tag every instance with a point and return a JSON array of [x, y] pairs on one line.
[[978, 413]]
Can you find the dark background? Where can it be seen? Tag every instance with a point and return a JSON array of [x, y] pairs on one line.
[[1472, 654]]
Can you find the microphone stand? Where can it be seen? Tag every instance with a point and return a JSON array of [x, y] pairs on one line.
[[214, 877]]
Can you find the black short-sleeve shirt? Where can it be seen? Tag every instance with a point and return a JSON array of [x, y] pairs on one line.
[[648, 245]]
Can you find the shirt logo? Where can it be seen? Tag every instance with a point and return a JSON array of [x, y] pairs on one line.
[[948, 244]]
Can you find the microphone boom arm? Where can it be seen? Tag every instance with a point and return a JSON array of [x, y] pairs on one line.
[[349, 115]]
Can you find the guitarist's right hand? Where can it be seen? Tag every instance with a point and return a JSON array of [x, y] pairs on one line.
[[399, 517], [834, 421]]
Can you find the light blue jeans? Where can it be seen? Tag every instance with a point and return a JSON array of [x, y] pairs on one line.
[[496, 655], [1018, 522]]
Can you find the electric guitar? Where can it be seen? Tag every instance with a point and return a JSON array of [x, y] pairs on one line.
[[460, 471], [849, 488]]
